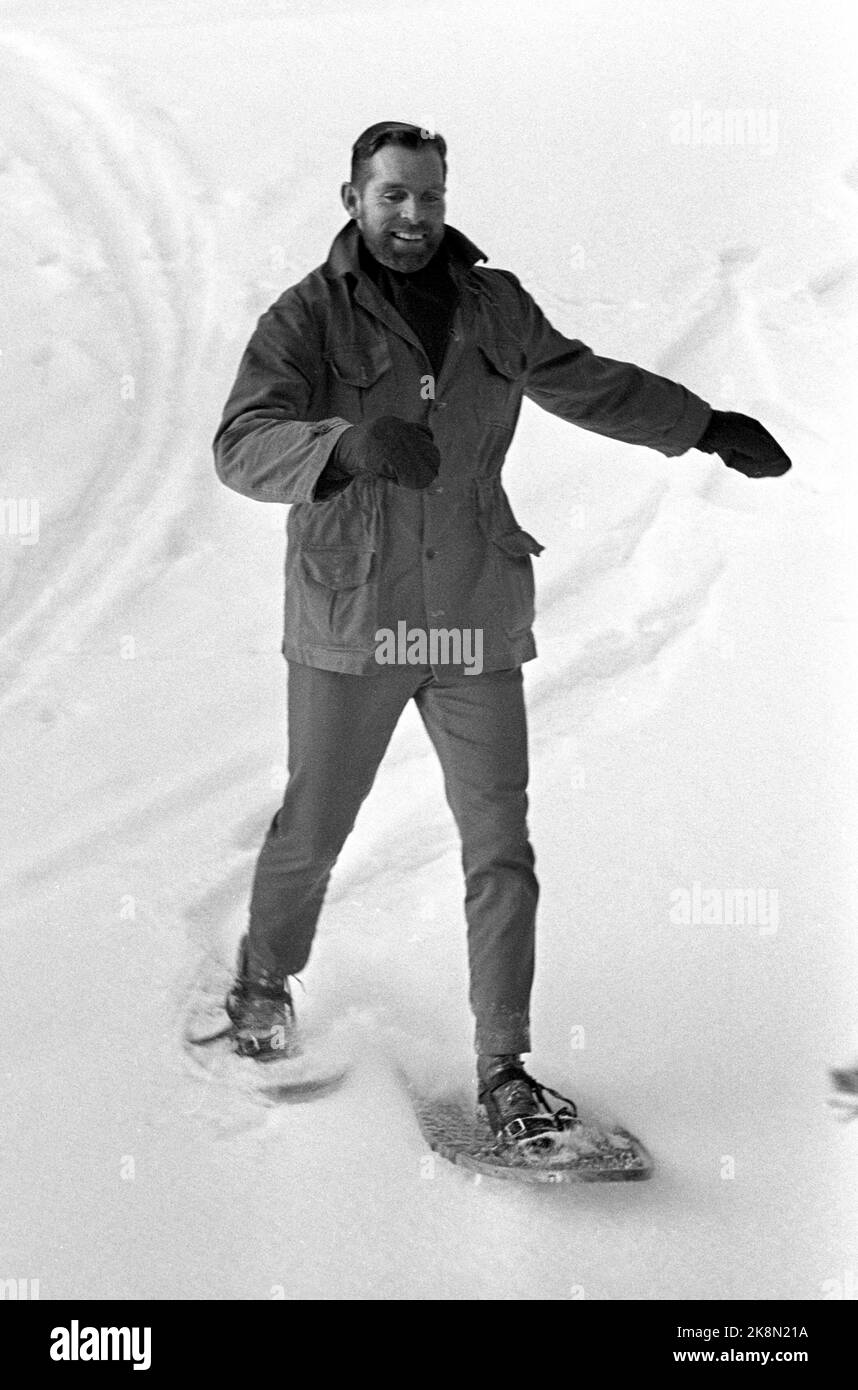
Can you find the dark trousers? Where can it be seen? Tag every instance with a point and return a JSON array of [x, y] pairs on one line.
[[339, 728]]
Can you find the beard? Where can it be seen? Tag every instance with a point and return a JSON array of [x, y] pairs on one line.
[[399, 255]]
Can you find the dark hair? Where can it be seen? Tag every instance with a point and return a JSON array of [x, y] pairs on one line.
[[413, 137]]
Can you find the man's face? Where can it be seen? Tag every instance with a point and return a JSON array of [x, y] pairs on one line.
[[400, 209]]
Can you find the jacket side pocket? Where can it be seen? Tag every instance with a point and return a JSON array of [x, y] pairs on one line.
[[339, 596], [510, 557]]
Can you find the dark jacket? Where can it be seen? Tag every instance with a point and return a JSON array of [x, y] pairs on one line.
[[331, 352]]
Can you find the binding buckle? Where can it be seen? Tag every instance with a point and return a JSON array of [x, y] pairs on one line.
[[530, 1127]]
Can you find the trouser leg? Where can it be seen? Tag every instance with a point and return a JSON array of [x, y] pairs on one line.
[[339, 727], [478, 727]]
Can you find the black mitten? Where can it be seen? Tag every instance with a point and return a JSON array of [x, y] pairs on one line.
[[400, 450], [743, 444]]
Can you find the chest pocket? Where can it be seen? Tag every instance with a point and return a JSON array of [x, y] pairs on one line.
[[358, 376], [502, 369]]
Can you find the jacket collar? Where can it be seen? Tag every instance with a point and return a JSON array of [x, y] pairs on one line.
[[343, 255]]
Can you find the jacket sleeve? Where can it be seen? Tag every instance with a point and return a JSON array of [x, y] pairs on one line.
[[265, 446], [618, 399]]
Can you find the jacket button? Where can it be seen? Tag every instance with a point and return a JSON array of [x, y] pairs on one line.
[[430, 554]]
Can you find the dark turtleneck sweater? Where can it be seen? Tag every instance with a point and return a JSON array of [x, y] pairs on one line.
[[426, 299]]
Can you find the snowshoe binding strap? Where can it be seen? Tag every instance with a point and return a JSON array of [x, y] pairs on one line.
[[527, 1132]]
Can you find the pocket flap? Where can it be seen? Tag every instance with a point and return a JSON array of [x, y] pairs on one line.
[[518, 543], [504, 357], [359, 367], [501, 526], [337, 567]]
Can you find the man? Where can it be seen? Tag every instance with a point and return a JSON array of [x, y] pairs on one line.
[[379, 397]]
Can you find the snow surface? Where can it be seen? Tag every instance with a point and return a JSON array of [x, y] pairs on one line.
[[166, 170]]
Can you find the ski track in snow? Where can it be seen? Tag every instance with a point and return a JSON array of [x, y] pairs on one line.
[[723, 350], [143, 813], [128, 187]]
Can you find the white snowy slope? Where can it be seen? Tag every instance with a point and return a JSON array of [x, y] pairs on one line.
[[165, 171]]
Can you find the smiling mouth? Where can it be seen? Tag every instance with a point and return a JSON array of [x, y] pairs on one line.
[[409, 236]]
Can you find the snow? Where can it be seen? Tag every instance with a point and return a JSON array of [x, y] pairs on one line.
[[166, 170]]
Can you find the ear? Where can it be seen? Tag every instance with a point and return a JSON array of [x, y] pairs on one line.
[[350, 198]]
